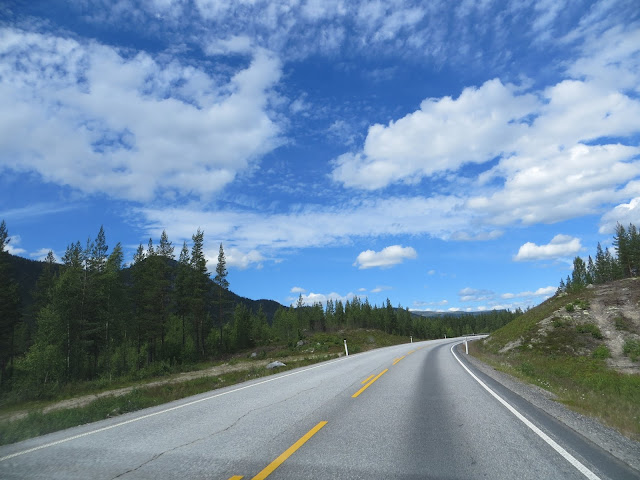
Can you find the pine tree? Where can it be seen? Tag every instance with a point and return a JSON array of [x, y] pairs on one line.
[[165, 249], [183, 288], [222, 287], [562, 287], [9, 308], [621, 241], [199, 289]]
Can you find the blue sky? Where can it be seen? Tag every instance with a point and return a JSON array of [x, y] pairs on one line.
[[446, 155]]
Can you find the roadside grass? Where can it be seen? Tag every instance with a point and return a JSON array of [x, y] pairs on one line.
[[569, 361], [37, 423], [317, 347]]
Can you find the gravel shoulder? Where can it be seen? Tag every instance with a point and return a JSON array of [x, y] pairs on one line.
[[612, 441]]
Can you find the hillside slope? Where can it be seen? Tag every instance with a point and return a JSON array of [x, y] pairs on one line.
[[579, 324], [583, 347]]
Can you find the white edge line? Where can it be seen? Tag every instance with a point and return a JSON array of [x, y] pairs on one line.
[[103, 429], [567, 456]]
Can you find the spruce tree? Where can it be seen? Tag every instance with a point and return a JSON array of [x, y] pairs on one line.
[[9, 307], [199, 289], [222, 286]]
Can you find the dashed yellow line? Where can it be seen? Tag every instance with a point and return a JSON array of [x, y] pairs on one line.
[[236, 477], [410, 352], [355, 395], [288, 452], [398, 359], [366, 379]]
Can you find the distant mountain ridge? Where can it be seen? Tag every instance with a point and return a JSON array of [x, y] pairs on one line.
[[26, 273]]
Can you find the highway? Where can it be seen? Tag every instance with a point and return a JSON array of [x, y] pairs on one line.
[[411, 411]]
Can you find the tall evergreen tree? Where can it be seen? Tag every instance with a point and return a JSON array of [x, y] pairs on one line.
[[222, 284], [183, 288], [199, 289], [9, 307]]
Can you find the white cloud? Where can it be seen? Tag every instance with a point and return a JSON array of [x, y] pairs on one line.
[[322, 298], [475, 295], [624, 214], [385, 258], [297, 290], [311, 226], [564, 151], [12, 245], [381, 289], [541, 292], [134, 127], [560, 246], [427, 141], [236, 258], [41, 254]]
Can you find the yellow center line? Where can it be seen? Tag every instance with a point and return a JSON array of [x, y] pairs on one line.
[[398, 359], [366, 379], [290, 451], [355, 395], [236, 477], [410, 352]]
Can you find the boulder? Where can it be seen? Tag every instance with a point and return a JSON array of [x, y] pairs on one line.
[[275, 364]]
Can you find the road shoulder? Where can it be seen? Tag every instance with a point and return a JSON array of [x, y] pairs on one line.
[[621, 447]]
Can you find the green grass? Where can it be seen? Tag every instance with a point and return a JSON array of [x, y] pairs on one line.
[[570, 361]]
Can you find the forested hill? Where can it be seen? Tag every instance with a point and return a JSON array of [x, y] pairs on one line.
[[26, 272]]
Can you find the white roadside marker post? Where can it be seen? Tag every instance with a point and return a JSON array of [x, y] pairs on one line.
[[466, 346], [411, 337], [346, 350]]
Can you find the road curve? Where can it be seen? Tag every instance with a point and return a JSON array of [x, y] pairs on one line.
[[413, 411]]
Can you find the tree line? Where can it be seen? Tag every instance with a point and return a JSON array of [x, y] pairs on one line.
[[607, 267], [94, 317]]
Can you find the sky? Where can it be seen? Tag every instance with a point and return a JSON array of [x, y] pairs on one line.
[[446, 155]]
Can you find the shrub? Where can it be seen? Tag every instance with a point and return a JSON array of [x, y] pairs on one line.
[[632, 349], [601, 352], [590, 328], [621, 323], [527, 369], [570, 308]]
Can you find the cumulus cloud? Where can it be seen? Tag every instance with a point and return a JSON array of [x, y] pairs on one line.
[[427, 141], [242, 260], [135, 127], [624, 214], [563, 151], [12, 245], [385, 258], [297, 290], [560, 246]]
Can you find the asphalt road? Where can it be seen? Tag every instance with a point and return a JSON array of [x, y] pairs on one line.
[[409, 412]]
